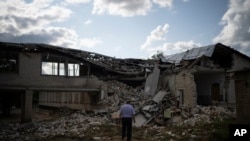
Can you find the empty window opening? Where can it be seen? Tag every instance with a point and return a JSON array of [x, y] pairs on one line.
[[8, 62], [73, 69], [60, 66], [62, 69], [49, 68]]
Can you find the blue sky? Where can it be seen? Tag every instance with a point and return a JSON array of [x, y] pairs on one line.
[[127, 28]]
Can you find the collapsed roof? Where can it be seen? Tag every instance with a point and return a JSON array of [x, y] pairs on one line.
[[128, 69], [109, 64]]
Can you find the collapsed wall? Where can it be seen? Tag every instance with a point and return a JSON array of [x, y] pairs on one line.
[[181, 84]]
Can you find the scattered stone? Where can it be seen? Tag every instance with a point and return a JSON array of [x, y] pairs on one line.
[[97, 138], [77, 124]]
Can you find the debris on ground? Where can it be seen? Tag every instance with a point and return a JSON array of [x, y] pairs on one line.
[[153, 113]]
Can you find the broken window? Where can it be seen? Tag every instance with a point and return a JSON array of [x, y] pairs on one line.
[[55, 68], [8, 62], [49, 68], [62, 66], [73, 69], [62, 69]]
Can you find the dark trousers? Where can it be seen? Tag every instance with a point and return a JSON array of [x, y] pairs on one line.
[[127, 128]]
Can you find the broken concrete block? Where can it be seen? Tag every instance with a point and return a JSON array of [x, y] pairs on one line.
[[140, 120], [159, 96]]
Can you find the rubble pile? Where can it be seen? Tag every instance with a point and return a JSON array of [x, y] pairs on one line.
[[73, 125], [161, 110], [154, 107], [164, 109], [206, 114], [119, 93]]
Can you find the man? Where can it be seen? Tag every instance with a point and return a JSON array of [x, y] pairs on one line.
[[127, 113]]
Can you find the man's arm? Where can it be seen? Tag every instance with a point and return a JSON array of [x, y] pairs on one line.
[[120, 115], [133, 114], [121, 112], [133, 118]]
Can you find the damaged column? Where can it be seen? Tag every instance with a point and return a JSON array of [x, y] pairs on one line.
[[27, 106]]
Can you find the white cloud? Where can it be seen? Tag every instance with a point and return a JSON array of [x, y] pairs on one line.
[[156, 35], [235, 21], [32, 22], [76, 1], [156, 41], [90, 42], [127, 8], [22, 17], [88, 22], [164, 3], [123, 8]]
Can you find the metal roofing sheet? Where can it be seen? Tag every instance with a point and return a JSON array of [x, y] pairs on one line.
[[190, 54], [198, 52], [175, 58]]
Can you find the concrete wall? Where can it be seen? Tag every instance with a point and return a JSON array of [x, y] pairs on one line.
[[195, 87], [239, 63], [182, 81], [242, 83], [230, 89], [30, 79], [75, 100], [29, 76]]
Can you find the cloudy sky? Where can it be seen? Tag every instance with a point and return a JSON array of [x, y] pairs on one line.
[[127, 28]]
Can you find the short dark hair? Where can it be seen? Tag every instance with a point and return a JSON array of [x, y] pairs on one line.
[[128, 102]]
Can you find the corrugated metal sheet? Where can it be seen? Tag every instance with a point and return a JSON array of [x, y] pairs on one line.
[[193, 53]]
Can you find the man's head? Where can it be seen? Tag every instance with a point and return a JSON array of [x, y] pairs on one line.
[[128, 102]]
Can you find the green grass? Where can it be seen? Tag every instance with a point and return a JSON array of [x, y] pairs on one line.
[[221, 129]]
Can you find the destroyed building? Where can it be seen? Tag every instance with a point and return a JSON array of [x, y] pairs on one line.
[[204, 75], [56, 77], [214, 75], [59, 76]]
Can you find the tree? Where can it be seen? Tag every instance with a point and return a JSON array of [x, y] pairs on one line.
[[158, 55]]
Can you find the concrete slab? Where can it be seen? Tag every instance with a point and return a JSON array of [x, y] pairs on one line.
[[159, 96], [140, 120], [152, 82]]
